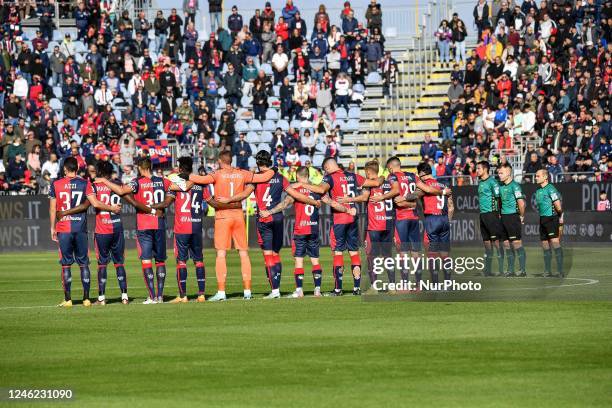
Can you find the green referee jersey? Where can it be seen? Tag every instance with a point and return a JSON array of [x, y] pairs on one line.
[[545, 197], [510, 194], [488, 195]]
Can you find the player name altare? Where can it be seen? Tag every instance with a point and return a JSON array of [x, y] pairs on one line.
[[34, 394]]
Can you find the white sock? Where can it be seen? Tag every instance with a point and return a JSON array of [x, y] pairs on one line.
[[101, 298], [298, 289], [275, 291], [247, 292], [124, 296], [221, 292]]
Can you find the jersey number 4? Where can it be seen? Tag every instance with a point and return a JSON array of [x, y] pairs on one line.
[[195, 203]]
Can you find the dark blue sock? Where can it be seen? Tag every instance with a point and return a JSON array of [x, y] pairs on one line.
[[161, 278], [277, 270], [181, 277], [121, 278], [149, 278], [299, 277], [66, 281], [317, 275], [201, 277], [86, 280], [102, 275]]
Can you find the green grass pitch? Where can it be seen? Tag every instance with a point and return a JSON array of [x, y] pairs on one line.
[[305, 352]]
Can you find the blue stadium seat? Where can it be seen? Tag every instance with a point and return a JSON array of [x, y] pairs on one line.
[[267, 69], [255, 125], [51, 46], [117, 114], [271, 114], [354, 113], [222, 91], [56, 105], [352, 125], [263, 146], [373, 78], [269, 124], [245, 101], [221, 103], [79, 47], [358, 88], [78, 58], [218, 113], [296, 124], [339, 122], [321, 147], [252, 162], [317, 160], [241, 126], [265, 137], [276, 89], [341, 113], [57, 91], [253, 147], [252, 137], [303, 158], [283, 124]]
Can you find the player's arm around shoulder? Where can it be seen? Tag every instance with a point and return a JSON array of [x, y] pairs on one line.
[[286, 203], [303, 198], [248, 190], [321, 189]]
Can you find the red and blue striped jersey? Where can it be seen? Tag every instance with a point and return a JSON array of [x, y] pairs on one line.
[[189, 208], [268, 195], [380, 214], [70, 192], [306, 215], [150, 191], [107, 222], [407, 184], [343, 184], [435, 204]]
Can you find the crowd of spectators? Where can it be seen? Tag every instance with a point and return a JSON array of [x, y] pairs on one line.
[[270, 80], [535, 91]]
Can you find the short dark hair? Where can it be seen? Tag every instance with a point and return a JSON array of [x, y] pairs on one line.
[[71, 165], [263, 158], [226, 157], [395, 160], [185, 164], [484, 164], [505, 166], [327, 160], [104, 169], [424, 168]]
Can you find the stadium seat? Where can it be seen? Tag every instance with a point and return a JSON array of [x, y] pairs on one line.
[[263, 146], [341, 113], [252, 162], [352, 125], [117, 114], [274, 102], [245, 101], [57, 91], [78, 58], [283, 124], [218, 113], [272, 114], [296, 124], [222, 91], [255, 125], [358, 88], [276, 90], [354, 113], [267, 69], [391, 32], [56, 104], [321, 147], [221, 103], [79, 47], [241, 126], [265, 137], [317, 160], [303, 158], [51, 46], [253, 147], [269, 124], [252, 137], [340, 123], [373, 78]]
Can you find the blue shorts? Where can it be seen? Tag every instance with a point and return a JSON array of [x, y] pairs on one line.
[[73, 247], [344, 237], [407, 235], [151, 244], [110, 246], [270, 235], [306, 245], [437, 228], [188, 246], [378, 243]]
